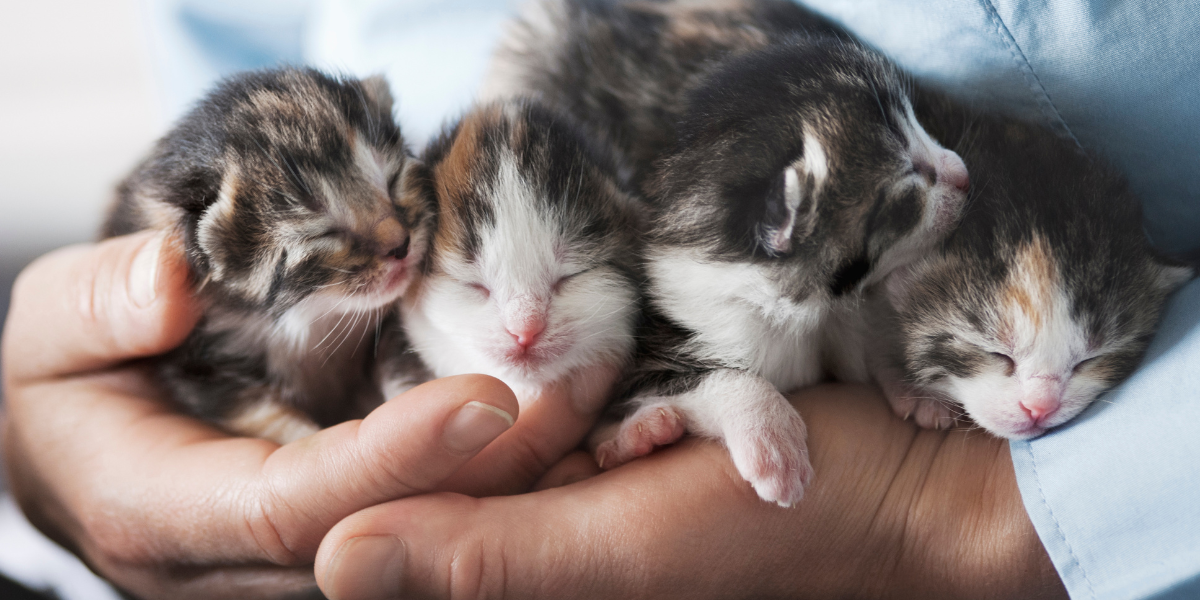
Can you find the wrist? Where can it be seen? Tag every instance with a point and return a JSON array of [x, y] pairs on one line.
[[959, 525]]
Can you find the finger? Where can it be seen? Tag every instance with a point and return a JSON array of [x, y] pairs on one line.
[[86, 307], [573, 468], [171, 488], [551, 425], [679, 523], [606, 537]]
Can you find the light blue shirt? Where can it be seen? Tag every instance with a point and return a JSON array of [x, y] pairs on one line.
[[1115, 495]]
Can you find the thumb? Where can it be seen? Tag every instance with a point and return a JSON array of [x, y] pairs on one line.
[[90, 306]]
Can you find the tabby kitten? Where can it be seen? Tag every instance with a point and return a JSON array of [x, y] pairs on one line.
[[288, 190]]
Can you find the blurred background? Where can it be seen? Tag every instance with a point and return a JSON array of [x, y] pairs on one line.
[[88, 85], [77, 109]]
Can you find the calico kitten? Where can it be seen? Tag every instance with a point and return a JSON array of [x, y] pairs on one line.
[[287, 188], [1045, 296], [622, 68], [533, 266]]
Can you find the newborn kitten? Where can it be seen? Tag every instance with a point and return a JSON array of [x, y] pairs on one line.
[[1045, 297], [799, 177], [287, 189], [533, 267], [622, 68]]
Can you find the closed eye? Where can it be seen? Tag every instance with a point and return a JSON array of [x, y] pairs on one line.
[[924, 170], [482, 289], [1085, 364], [563, 280], [332, 233], [1010, 366]]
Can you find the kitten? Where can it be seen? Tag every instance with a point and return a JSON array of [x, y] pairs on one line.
[[533, 267], [622, 69], [1045, 297], [288, 189], [795, 176]]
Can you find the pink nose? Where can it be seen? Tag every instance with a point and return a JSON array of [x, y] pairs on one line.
[[1040, 408], [526, 333], [953, 171]]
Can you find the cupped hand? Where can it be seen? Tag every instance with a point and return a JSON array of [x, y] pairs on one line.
[[893, 512], [165, 505]]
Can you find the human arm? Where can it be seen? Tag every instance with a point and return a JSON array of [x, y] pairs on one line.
[[893, 512]]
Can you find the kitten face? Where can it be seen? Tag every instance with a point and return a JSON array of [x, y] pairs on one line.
[[311, 212], [531, 271], [1045, 295], [806, 161], [1030, 349]]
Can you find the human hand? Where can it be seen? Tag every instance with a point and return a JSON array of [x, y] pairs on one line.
[[167, 506], [893, 512]]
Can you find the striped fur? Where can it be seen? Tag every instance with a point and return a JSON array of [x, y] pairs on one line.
[[288, 188]]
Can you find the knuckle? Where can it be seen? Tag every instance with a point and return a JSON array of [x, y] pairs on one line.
[[476, 573], [262, 521]]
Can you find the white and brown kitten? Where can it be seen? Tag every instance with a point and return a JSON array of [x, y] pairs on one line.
[[532, 273], [1044, 297], [287, 188]]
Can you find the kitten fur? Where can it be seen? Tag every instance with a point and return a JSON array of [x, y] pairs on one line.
[[1045, 296], [287, 189], [794, 175], [622, 68], [533, 271]]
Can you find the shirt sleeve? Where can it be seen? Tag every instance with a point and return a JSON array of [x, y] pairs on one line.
[[1113, 494]]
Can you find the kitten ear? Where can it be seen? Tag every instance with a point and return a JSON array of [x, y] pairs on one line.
[[791, 209], [790, 213], [378, 91], [216, 223], [1172, 276]]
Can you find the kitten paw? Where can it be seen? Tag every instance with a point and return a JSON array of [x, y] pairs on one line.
[[640, 433], [773, 457], [911, 402], [926, 412]]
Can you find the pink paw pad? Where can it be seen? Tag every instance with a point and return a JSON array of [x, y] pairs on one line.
[[640, 433]]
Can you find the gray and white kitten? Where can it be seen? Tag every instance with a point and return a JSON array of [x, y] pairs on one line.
[[287, 188], [532, 274], [792, 174], [623, 68], [1044, 297]]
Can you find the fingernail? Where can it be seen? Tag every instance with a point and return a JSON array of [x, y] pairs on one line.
[[474, 426], [143, 275], [366, 567]]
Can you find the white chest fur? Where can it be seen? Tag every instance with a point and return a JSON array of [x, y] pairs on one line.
[[740, 317]]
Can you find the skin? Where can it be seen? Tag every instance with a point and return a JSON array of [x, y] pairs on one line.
[[166, 506]]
